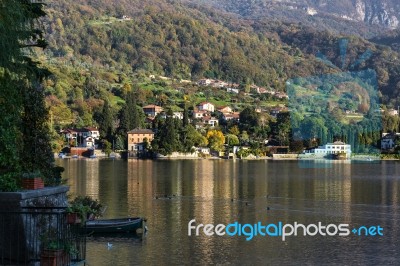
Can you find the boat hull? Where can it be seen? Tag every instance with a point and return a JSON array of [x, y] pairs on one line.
[[112, 226]]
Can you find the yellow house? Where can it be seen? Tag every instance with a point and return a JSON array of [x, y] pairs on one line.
[[136, 138]]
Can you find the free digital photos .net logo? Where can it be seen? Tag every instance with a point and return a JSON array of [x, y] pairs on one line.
[[337, 114], [281, 230]]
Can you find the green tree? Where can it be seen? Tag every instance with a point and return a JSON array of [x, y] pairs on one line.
[[146, 144], [106, 122], [185, 120], [244, 138], [234, 130], [22, 104], [232, 140], [283, 128], [248, 120], [107, 147], [131, 116], [167, 137], [37, 155], [193, 138]]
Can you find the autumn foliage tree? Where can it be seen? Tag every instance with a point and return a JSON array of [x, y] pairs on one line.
[[216, 139]]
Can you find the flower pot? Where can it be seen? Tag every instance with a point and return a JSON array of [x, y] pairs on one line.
[[54, 257], [73, 218], [32, 183]]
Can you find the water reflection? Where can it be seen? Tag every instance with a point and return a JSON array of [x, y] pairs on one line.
[[170, 193]]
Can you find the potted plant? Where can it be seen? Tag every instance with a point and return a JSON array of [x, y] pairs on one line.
[[77, 213], [32, 180], [55, 250], [82, 208]]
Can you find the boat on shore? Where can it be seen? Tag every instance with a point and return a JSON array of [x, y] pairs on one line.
[[112, 226]]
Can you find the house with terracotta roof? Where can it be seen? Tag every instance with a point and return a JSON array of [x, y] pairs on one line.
[[224, 109], [200, 114], [93, 132], [136, 138], [233, 116], [69, 134], [210, 121], [206, 121], [152, 110]]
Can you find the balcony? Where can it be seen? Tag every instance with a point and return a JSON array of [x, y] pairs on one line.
[[40, 236]]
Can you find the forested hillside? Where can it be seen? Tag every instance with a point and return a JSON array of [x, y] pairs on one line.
[[176, 44], [96, 55], [100, 50]]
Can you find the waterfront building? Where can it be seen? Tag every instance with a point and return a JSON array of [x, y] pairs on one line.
[[136, 138], [331, 149]]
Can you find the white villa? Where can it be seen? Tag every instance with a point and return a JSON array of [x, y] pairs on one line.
[[206, 106], [337, 147]]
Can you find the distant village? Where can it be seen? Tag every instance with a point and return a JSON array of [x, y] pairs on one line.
[[206, 115]]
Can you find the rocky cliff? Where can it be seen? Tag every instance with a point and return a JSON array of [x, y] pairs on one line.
[[371, 13]]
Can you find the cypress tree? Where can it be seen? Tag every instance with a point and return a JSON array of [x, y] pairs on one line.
[[131, 116], [106, 122]]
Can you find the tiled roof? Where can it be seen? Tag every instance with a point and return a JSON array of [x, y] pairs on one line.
[[141, 131], [152, 106]]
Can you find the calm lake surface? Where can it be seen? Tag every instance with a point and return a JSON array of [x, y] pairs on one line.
[[356, 194]]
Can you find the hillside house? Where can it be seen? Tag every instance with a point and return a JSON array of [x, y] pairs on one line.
[[225, 109], [93, 132], [210, 121], [200, 114], [136, 138], [204, 82], [233, 116], [232, 90], [206, 106], [85, 137], [152, 110]]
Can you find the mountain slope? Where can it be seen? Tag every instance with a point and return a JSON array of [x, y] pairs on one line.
[[365, 17], [184, 44], [99, 49]]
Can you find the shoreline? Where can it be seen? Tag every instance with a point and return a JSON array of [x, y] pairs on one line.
[[234, 159]]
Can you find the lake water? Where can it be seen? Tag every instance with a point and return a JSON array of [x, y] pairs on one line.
[[226, 191]]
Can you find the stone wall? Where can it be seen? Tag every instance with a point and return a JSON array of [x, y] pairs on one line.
[[285, 156], [179, 155], [46, 197]]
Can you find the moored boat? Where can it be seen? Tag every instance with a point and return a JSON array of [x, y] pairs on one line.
[[123, 225]]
